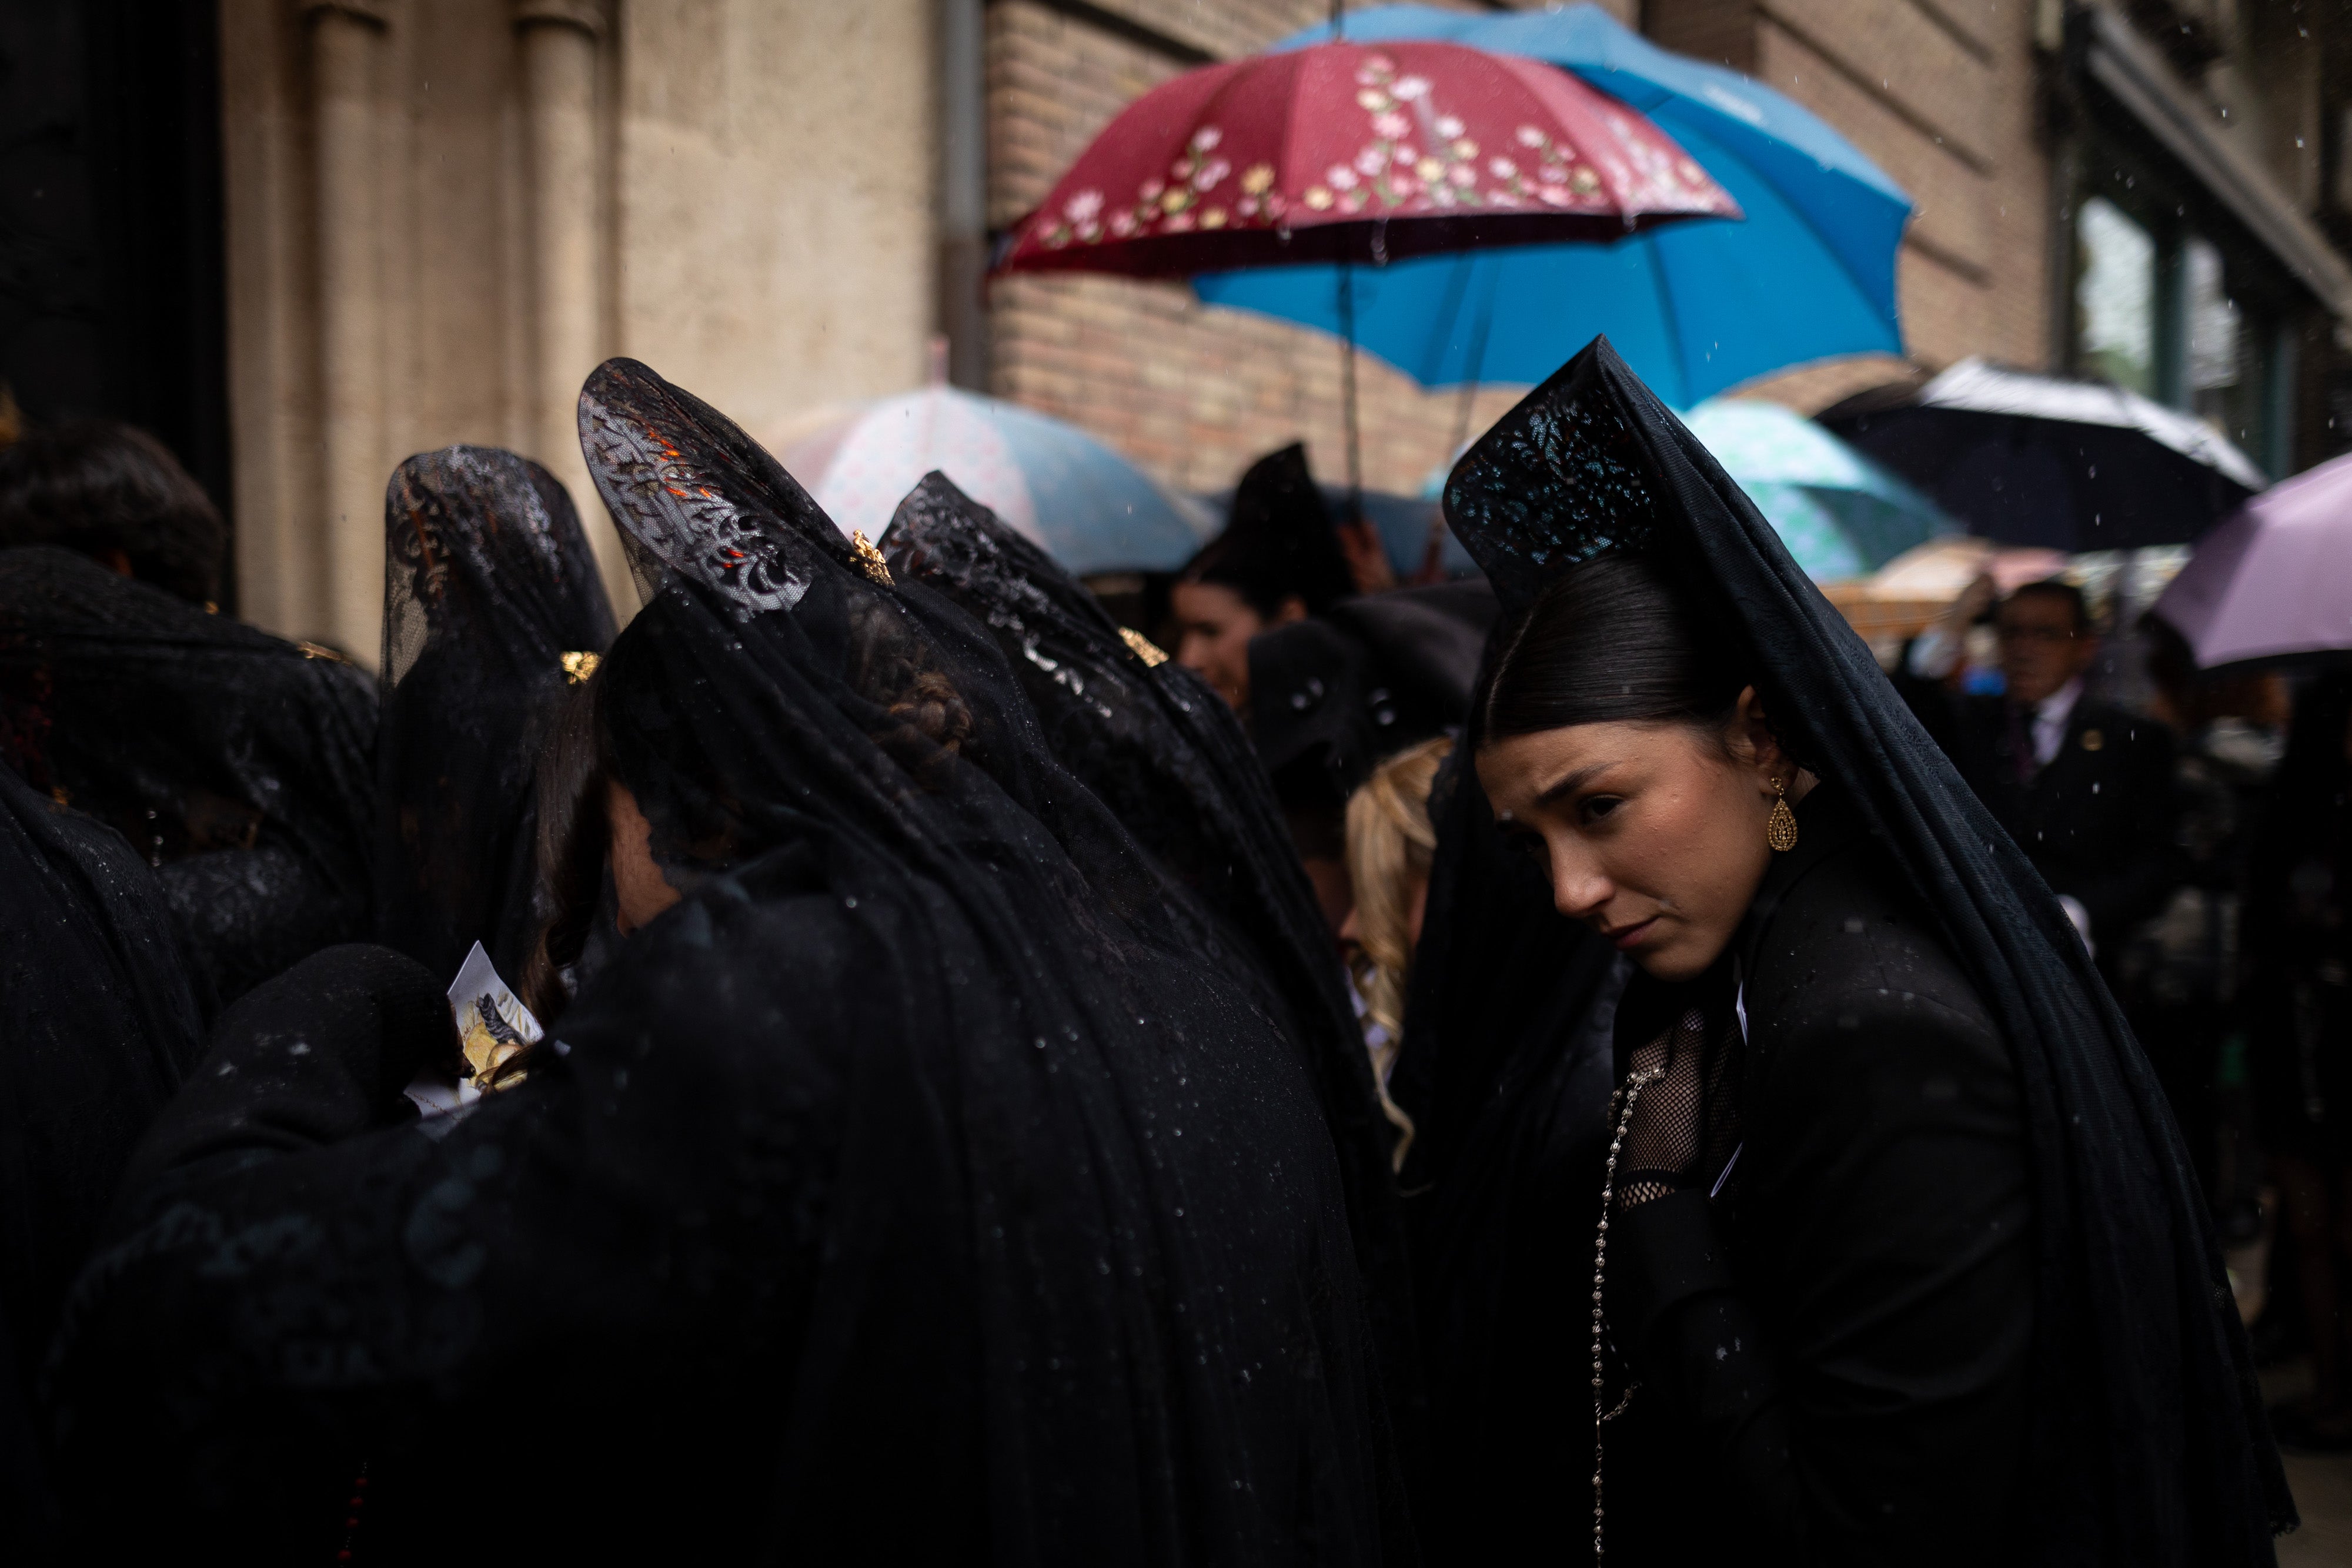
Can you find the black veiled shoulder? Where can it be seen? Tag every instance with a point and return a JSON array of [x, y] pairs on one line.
[[1883, 1208], [1334, 694], [1168, 759], [236, 763], [1505, 1072], [417, 1297], [98, 1025]]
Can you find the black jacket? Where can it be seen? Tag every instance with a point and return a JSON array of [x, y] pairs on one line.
[[2099, 821], [1331, 695], [1834, 1352]]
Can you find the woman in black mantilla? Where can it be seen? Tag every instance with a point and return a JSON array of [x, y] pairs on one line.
[[492, 613], [1899, 1257], [238, 765]]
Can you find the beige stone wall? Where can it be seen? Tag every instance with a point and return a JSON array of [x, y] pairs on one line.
[[778, 171], [443, 213]]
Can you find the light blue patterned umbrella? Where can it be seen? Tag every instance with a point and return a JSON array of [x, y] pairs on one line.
[[1840, 515], [1088, 508]]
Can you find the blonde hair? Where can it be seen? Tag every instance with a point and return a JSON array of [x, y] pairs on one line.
[[1390, 846]]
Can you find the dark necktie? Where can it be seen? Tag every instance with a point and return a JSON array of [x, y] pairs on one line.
[[2020, 743]]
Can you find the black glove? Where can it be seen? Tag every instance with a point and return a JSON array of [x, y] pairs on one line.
[[315, 1056]]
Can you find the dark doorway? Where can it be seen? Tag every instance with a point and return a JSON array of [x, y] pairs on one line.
[[111, 293]]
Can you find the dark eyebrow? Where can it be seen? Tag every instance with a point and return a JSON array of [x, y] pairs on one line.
[[1573, 782]]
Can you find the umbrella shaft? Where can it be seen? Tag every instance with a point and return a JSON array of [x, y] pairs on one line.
[[1347, 390]]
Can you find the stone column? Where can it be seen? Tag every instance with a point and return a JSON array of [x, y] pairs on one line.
[[559, 42], [346, 51], [962, 133]]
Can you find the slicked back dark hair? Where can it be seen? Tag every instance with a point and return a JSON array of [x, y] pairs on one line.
[[96, 486], [1610, 642]]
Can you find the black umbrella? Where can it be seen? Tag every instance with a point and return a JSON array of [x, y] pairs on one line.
[[2041, 460]]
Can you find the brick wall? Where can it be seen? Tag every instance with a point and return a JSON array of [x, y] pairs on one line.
[[1941, 95]]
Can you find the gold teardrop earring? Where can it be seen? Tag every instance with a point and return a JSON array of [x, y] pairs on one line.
[[1780, 827]]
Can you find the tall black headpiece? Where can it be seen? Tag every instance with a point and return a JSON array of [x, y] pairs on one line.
[[491, 605], [2150, 1442], [1278, 539], [236, 763], [1131, 725]]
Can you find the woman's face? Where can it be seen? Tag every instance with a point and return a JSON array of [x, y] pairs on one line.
[[1218, 624], [638, 886], [1651, 832]]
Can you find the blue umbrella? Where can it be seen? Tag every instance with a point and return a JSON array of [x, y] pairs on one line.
[[1840, 515], [1695, 308]]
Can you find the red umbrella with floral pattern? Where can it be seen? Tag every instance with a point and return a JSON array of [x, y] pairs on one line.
[[1358, 153], [1362, 152]]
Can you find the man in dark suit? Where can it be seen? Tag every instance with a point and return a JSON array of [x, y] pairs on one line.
[[2083, 786]]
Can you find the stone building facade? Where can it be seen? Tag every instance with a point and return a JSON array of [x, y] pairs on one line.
[[443, 213]]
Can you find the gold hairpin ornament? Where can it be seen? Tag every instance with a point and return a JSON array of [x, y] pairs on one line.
[[579, 667], [1152, 654], [870, 559]]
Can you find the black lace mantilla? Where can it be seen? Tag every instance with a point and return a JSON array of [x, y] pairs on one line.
[[1557, 481], [2142, 1361], [489, 586], [676, 501]]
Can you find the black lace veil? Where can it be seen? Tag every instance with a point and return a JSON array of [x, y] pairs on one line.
[[974, 755], [2149, 1443], [1167, 756], [491, 605], [1146, 736], [98, 1025], [237, 764], [1505, 1071]]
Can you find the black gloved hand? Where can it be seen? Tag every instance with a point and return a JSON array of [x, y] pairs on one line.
[[317, 1055]]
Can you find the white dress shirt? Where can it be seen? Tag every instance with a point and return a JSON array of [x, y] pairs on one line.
[[2050, 716]]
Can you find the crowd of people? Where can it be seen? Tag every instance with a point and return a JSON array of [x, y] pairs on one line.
[[1571, 1060]]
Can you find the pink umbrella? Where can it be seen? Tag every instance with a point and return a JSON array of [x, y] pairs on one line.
[[2274, 579]]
